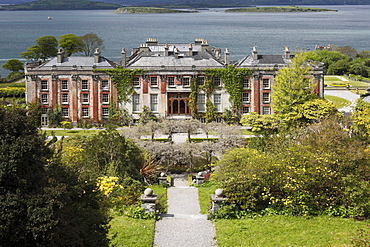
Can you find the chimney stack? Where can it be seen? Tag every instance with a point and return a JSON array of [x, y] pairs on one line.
[[97, 55], [205, 45], [176, 53], [227, 56], [166, 49], [60, 56], [151, 41], [123, 57], [255, 53], [287, 53], [190, 50]]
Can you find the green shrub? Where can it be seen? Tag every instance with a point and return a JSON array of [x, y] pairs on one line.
[[324, 171]]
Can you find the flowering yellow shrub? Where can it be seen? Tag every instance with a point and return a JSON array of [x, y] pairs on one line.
[[107, 184]]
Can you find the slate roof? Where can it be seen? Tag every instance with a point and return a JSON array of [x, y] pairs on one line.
[[262, 60], [156, 57], [80, 63]]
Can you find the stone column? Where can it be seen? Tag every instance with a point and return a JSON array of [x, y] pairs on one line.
[[217, 199], [149, 201]]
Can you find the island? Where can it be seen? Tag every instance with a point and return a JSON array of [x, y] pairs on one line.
[[279, 9], [149, 10], [60, 5]]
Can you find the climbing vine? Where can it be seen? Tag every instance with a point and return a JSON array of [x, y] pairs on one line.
[[193, 101], [122, 79], [232, 78]]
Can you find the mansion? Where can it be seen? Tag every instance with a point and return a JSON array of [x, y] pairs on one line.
[[85, 92]]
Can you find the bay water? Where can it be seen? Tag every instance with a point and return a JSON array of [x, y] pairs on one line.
[[270, 32]]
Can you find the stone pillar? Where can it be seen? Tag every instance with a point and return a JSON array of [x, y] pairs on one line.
[[199, 179], [149, 201], [217, 199], [163, 178]]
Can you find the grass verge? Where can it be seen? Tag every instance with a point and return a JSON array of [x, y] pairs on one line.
[[338, 102], [287, 231], [204, 192]]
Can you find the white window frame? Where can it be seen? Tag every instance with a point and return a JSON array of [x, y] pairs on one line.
[[154, 102], [246, 83], [44, 85], [171, 81], [105, 85], [200, 80], [266, 83], [84, 85], [105, 98], [85, 112], [266, 97], [65, 112], [246, 97], [135, 102], [186, 81], [45, 98], [217, 81], [266, 110], [154, 81], [217, 99], [64, 84], [85, 98], [65, 98], [136, 81], [105, 112], [201, 102], [245, 109]]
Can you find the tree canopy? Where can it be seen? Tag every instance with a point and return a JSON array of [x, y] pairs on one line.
[[90, 42], [45, 47], [70, 43], [41, 202], [13, 65]]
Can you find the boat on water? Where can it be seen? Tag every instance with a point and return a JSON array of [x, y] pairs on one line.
[[50, 18]]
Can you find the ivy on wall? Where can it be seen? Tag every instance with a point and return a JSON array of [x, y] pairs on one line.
[[122, 79], [193, 101], [232, 79]]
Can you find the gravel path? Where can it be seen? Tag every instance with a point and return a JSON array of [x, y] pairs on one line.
[[183, 225]]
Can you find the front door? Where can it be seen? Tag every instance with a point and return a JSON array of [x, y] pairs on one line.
[[178, 104]]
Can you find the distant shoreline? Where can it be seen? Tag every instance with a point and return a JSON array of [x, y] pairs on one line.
[[285, 9]]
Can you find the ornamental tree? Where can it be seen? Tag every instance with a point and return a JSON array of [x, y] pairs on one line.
[[293, 86]]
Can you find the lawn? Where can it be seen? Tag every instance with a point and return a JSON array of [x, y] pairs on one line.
[[287, 231], [126, 231], [280, 230], [334, 80], [339, 102]]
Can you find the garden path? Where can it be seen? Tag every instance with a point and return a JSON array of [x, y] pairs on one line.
[[183, 225]]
